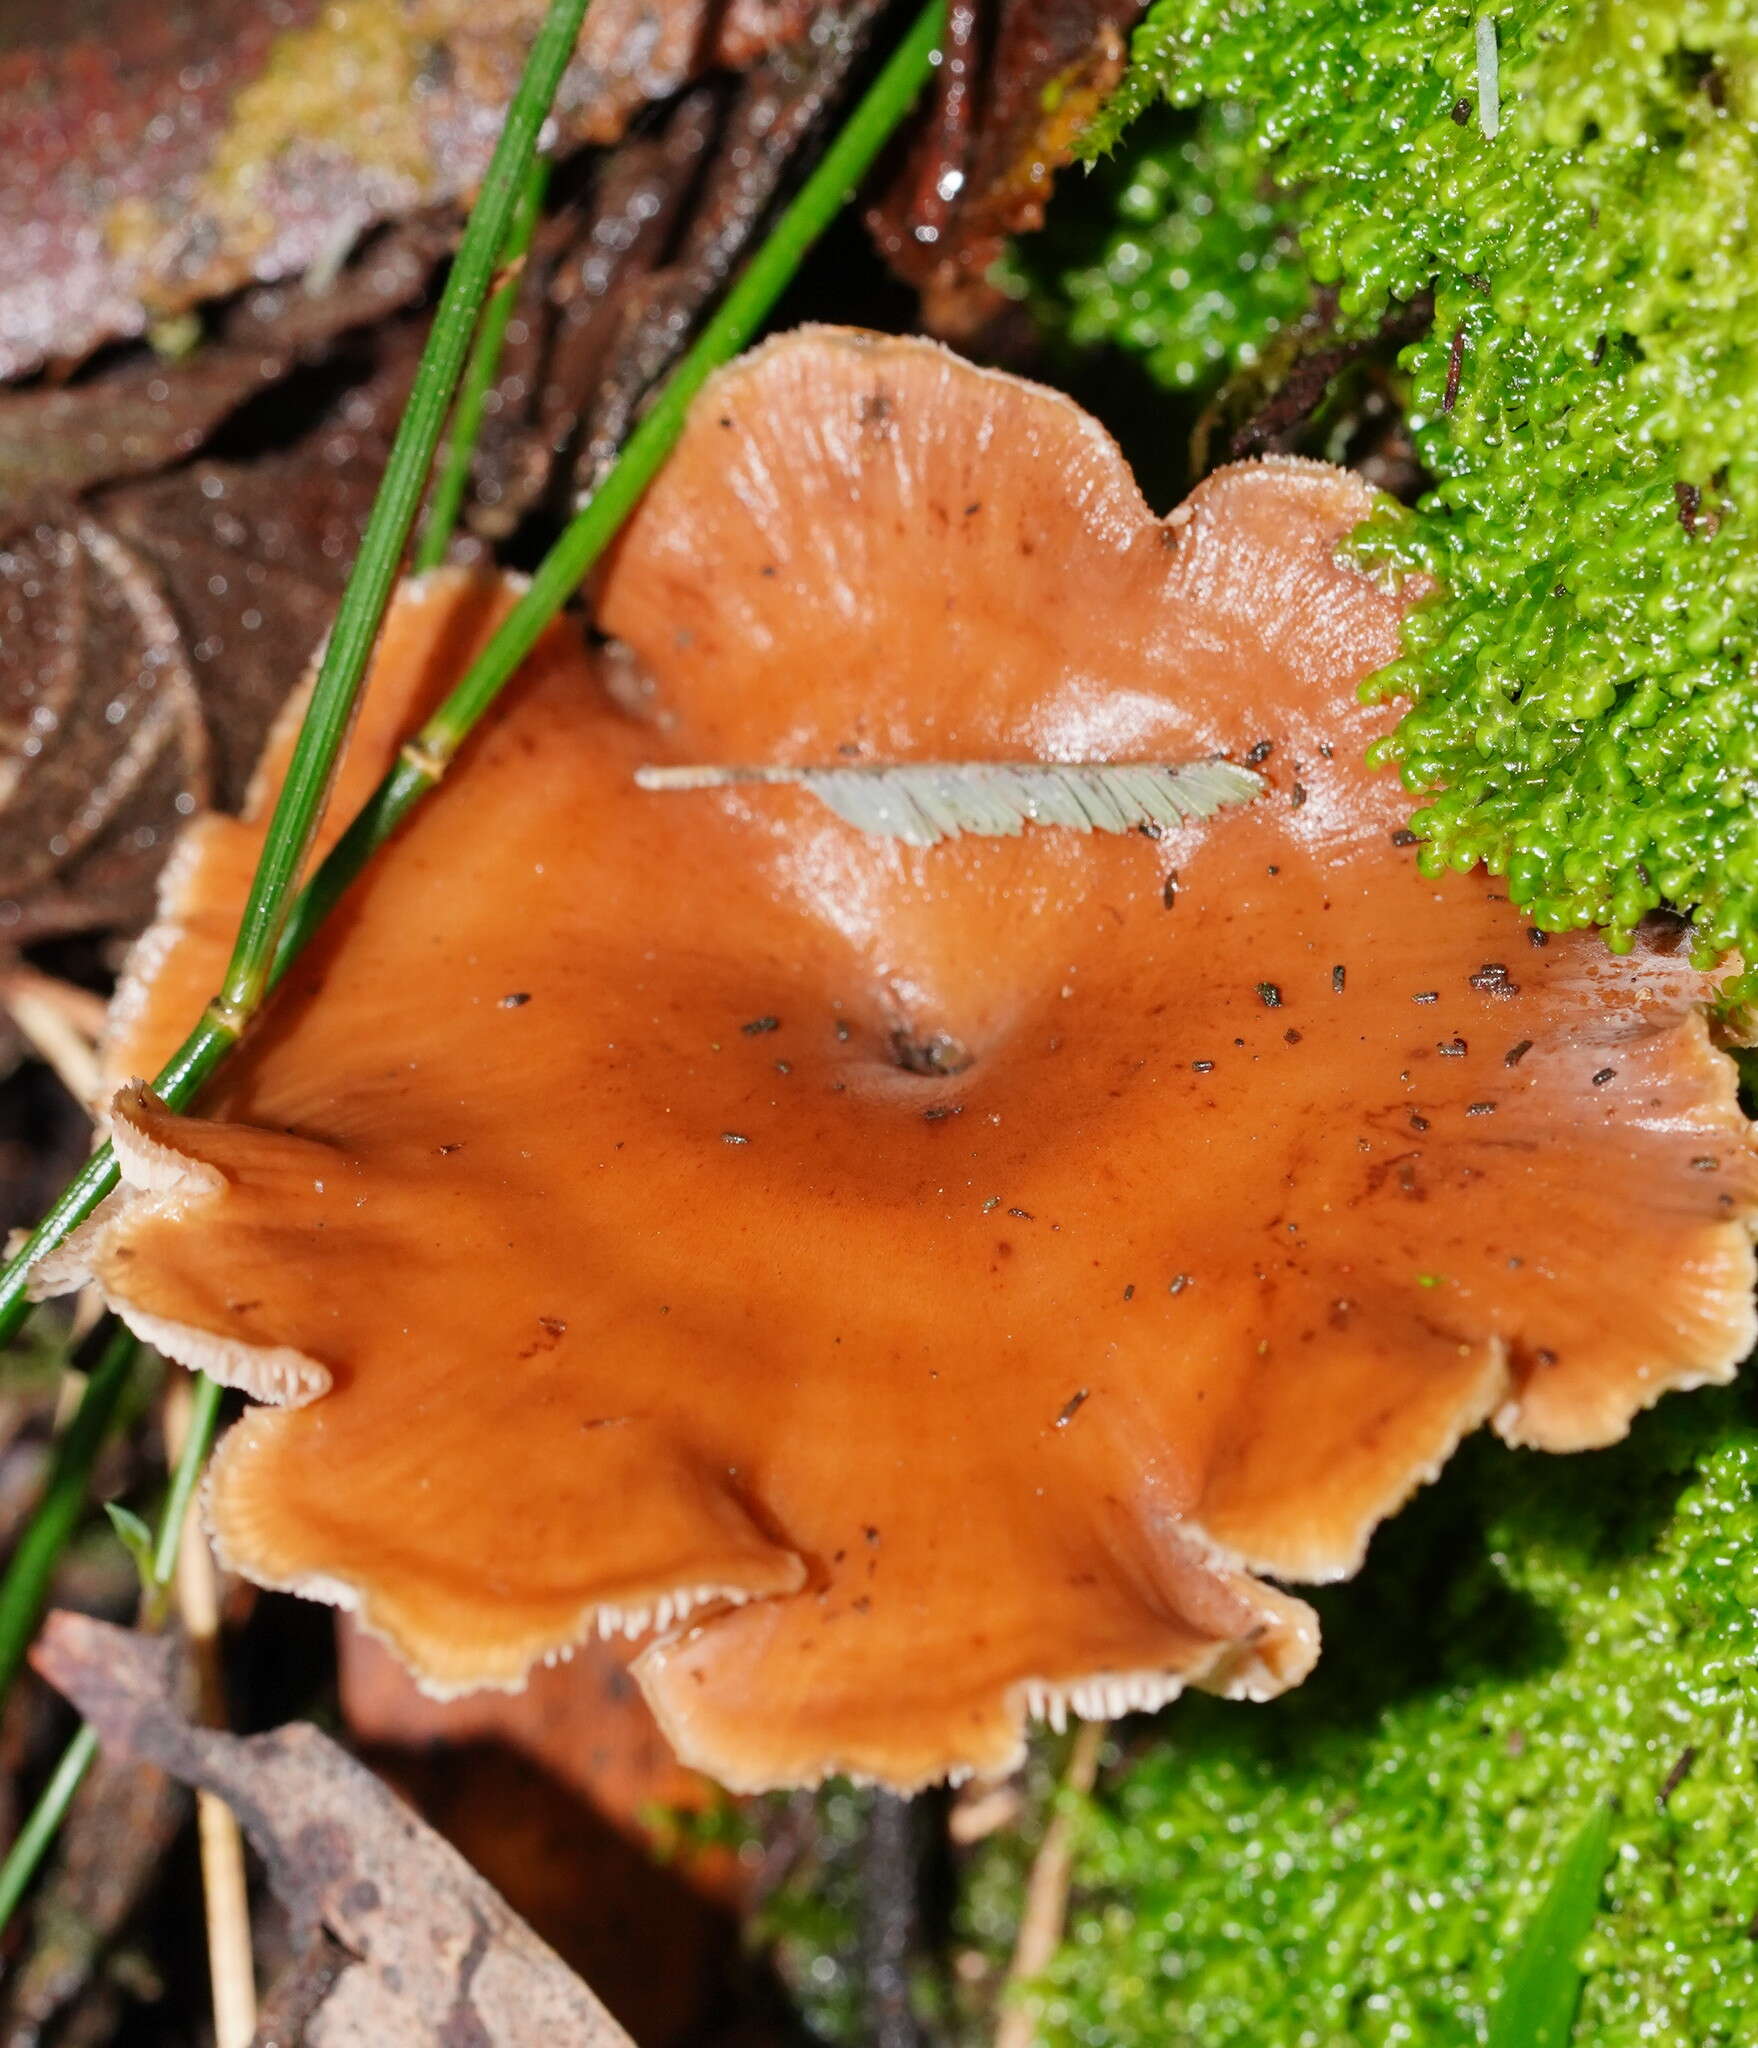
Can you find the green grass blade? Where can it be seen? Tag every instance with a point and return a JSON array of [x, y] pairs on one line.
[[57, 1514], [1536, 2008], [300, 802], [44, 1823], [453, 479], [744, 309], [735, 322]]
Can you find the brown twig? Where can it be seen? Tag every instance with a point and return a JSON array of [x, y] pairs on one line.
[[1304, 388], [1046, 1898]]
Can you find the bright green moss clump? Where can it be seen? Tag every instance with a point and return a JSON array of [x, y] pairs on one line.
[[1202, 275], [1584, 713], [1351, 1867]]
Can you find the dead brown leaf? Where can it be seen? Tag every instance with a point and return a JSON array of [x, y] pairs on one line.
[[616, 289], [440, 1958], [158, 156], [150, 630]]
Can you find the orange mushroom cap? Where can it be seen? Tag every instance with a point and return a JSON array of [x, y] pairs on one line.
[[579, 1184]]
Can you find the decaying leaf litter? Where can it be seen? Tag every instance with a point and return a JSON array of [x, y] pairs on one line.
[[514, 496]]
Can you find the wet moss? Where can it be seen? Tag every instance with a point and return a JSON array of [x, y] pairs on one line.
[[1353, 1865], [1581, 713]]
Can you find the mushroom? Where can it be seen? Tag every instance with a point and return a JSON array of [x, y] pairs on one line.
[[922, 1286]]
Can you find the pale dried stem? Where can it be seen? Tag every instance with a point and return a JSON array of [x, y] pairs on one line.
[[61, 1024], [1046, 1898], [225, 1893]]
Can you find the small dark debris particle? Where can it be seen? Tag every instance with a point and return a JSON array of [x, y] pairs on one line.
[[1689, 501], [1418, 1122], [1071, 1408], [1272, 869], [1604, 1075], [1545, 1355], [1291, 1036], [1426, 995], [1129, 1292], [1149, 830], [1169, 893], [1178, 1283], [1516, 1053], [1202, 1066], [446, 1151], [1270, 994], [1403, 836], [1462, 112], [1024, 1215], [942, 1110], [553, 1324], [1338, 976], [1707, 1163], [937, 1054], [515, 1002], [1491, 979], [1676, 1776], [1297, 795], [1535, 937], [871, 1534], [734, 1138], [972, 509], [1257, 755], [1452, 1048], [1480, 1109], [759, 1025]]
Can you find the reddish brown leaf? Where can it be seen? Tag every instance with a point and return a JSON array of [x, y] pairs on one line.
[[1021, 80]]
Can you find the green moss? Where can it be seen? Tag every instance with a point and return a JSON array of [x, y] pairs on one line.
[[1201, 274], [1354, 1865], [1583, 715]]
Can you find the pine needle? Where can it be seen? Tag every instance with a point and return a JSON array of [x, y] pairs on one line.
[[924, 802]]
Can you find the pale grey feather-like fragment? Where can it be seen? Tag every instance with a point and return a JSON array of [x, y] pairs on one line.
[[924, 802]]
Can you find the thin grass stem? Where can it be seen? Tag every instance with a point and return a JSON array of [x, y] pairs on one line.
[[44, 1823], [25, 1585], [447, 498], [741, 313], [299, 805]]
